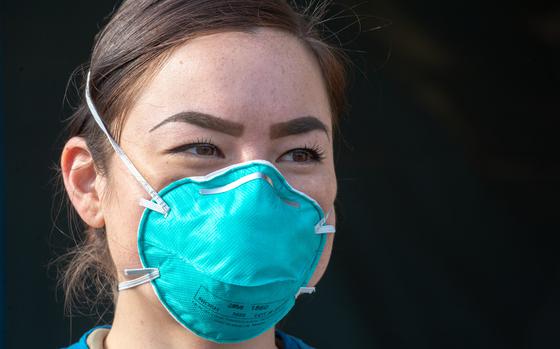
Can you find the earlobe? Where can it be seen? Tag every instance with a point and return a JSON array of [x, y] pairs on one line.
[[81, 181]]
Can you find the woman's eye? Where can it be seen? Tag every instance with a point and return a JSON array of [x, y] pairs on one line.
[[199, 149], [203, 150], [302, 155]]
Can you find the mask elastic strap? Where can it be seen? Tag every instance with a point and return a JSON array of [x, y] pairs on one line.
[[163, 208], [305, 290], [147, 275], [322, 227]]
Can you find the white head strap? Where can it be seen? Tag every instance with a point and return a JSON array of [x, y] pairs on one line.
[[159, 205], [322, 227]]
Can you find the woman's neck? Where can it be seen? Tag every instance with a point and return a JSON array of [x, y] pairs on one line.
[[142, 322]]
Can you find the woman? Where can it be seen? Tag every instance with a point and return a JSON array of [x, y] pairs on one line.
[[201, 163]]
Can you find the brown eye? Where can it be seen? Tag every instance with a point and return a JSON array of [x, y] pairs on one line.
[[203, 150], [206, 150], [303, 155], [300, 156]]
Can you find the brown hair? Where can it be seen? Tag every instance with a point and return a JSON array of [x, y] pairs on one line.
[[127, 51]]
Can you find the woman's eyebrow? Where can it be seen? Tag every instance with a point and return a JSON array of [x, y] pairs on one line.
[[292, 127], [206, 121], [296, 126]]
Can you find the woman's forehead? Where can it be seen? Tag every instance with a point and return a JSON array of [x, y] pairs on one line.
[[260, 77]]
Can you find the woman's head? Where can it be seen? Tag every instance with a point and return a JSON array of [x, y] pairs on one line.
[[188, 87]]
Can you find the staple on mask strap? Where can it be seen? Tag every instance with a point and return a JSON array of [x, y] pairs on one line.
[[139, 271], [325, 229], [152, 206], [305, 290], [148, 274], [322, 228]]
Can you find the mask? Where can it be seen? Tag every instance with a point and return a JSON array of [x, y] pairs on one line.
[[227, 253]]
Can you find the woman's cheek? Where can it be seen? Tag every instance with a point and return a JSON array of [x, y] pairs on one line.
[[319, 185]]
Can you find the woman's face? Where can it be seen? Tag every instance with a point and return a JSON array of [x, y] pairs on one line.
[[218, 100]]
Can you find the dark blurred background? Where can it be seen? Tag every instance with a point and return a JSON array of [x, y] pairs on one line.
[[449, 177]]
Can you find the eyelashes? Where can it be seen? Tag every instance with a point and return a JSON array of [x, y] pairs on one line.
[[204, 148], [315, 152], [201, 147]]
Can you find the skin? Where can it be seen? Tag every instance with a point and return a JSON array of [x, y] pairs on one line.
[[255, 79]]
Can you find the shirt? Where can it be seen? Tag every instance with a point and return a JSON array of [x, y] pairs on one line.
[[93, 339]]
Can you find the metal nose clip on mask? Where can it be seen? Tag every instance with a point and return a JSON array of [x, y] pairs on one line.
[[227, 253]]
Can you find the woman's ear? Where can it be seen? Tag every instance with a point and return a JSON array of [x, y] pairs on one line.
[[81, 181]]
